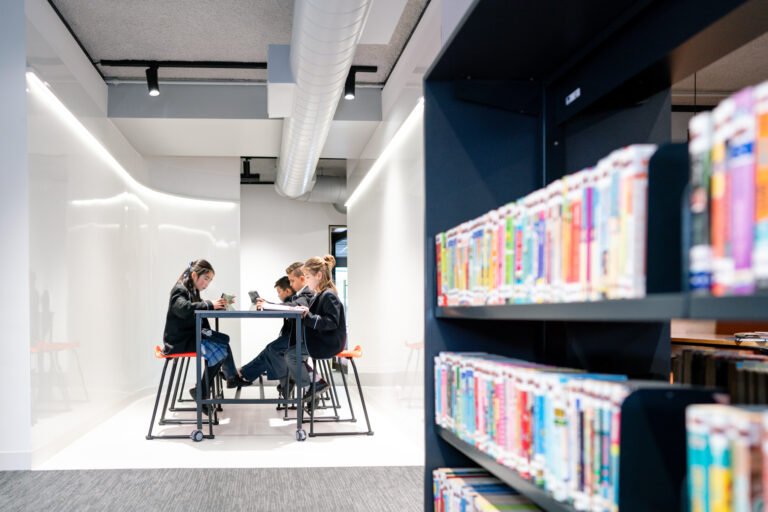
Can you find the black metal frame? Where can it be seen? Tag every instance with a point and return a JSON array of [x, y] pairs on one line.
[[199, 315], [164, 421], [325, 368]]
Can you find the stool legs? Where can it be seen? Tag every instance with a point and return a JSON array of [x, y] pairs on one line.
[[312, 418], [157, 400], [362, 399]]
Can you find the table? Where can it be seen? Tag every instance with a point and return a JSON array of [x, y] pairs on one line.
[[197, 435]]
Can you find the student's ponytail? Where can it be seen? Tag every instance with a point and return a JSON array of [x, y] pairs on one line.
[[199, 267], [324, 265]]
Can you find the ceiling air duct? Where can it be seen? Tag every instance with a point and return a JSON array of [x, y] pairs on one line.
[[325, 35]]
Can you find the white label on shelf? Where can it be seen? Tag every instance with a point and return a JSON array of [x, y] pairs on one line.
[[573, 96]]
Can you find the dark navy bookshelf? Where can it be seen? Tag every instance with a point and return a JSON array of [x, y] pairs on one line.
[[497, 127], [509, 476], [651, 308]]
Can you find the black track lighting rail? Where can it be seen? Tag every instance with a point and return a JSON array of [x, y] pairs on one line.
[[364, 69], [210, 64]]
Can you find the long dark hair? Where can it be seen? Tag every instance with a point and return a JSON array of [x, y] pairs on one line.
[[199, 267]]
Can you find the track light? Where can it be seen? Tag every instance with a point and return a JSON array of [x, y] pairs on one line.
[[152, 85], [349, 85]]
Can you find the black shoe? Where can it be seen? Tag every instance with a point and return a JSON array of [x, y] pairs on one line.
[[319, 388], [237, 382], [291, 385]]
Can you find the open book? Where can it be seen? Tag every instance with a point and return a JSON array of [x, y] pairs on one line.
[[276, 307]]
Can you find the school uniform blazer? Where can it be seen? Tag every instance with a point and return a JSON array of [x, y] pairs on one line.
[[326, 326], [301, 298], [179, 332]]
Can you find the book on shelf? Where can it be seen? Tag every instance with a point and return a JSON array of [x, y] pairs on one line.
[[474, 490], [744, 375], [581, 238], [729, 195], [726, 457], [557, 427]]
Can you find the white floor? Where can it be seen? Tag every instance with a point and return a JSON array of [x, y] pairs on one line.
[[256, 436]]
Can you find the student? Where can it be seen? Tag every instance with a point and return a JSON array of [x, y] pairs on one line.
[[275, 351], [179, 332], [325, 328], [270, 360]]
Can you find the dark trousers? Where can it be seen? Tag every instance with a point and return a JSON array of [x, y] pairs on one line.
[[290, 361], [271, 361]]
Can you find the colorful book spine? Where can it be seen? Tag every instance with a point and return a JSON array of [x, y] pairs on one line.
[[741, 166], [700, 254], [439, 254], [581, 238], [509, 253], [722, 259], [760, 251], [520, 220]]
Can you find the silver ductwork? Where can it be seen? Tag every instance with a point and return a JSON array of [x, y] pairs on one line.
[[323, 42], [328, 189]]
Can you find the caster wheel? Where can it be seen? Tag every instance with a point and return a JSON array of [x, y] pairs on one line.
[[196, 435], [301, 435]]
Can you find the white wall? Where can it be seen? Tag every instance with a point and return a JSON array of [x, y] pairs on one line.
[[386, 258], [201, 177], [104, 251], [275, 232], [386, 220], [14, 233]]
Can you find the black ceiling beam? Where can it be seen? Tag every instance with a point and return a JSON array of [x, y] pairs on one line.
[[183, 64]]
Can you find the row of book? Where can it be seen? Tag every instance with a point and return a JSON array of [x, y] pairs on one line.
[[742, 373], [474, 490], [727, 457], [582, 238], [558, 427], [729, 195]]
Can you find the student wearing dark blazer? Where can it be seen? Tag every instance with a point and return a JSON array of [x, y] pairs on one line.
[[272, 359], [179, 332], [325, 327]]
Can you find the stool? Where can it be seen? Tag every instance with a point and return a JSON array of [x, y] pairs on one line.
[[212, 420], [328, 394], [181, 381], [349, 355]]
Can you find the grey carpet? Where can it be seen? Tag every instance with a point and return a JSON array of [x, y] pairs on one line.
[[259, 489]]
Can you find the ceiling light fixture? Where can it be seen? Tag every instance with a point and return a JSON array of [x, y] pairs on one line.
[[349, 85], [152, 85]]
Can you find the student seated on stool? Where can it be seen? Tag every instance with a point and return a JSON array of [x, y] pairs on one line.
[[272, 359], [179, 332], [325, 327]]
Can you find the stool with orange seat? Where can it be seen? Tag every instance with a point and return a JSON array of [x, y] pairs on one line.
[[349, 355], [196, 434]]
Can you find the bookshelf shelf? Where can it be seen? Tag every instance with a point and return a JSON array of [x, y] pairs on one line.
[[751, 307], [651, 308], [507, 475]]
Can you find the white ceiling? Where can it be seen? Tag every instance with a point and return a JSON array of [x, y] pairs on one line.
[[234, 137], [221, 30]]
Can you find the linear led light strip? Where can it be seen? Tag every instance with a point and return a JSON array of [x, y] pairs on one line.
[[415, 115], [41, 90]]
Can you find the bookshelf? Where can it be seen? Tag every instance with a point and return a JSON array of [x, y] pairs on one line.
[[496, 127]]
